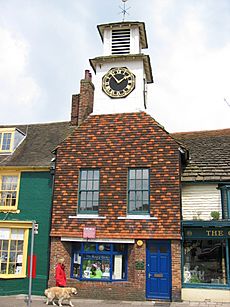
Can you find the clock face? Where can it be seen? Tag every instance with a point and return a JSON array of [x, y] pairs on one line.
[[119, 82]]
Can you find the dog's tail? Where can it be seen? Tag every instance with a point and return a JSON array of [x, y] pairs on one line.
[[46, 292]]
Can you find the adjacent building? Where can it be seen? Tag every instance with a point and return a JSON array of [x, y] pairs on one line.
[[205, 216], [26, 198]]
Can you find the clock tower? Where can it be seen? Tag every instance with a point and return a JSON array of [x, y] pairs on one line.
[[123, 72]]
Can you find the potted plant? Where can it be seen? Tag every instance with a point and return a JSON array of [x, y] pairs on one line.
[[215, 215]]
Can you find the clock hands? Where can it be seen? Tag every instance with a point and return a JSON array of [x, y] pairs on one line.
[[119, 81]]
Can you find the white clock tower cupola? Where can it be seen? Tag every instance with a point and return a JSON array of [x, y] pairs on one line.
[[122, 73]]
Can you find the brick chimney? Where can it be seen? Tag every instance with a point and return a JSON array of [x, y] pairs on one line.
[[82, 104]]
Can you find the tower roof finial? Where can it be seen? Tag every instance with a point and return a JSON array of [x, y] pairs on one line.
[[124, 10]]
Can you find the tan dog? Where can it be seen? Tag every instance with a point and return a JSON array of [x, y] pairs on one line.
[[59, 294]]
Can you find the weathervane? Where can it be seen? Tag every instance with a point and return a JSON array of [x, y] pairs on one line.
[[124, 10]]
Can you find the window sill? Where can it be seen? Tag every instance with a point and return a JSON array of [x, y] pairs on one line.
[[87, 216], [10, 276], [6, 210], [137, 217]]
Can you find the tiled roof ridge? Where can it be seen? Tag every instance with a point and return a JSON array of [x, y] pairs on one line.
[[216, 132], [34, 124]]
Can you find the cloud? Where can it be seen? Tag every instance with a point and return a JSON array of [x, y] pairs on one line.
[[191, 77], [17, 87]]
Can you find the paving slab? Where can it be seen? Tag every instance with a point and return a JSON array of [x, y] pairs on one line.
[[39, 301]]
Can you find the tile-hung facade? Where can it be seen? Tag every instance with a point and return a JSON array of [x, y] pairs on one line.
[[116, 209], [25, 196], [205, 210]]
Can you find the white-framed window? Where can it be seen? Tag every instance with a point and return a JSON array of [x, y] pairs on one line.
[[9, 191], [6, 140], [13, 251]]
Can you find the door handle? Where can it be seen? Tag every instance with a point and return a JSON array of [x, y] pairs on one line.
[[158, 275]]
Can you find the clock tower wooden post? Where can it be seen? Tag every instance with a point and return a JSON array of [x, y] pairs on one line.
[[123, 72]]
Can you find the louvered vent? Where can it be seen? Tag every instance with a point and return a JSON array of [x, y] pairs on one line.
[[121, 41]]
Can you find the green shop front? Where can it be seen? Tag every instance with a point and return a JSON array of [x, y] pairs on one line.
[[205, 260]]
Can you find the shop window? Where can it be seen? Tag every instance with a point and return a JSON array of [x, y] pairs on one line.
[[205, 262], [88, 191], [9, 186], [13, 251], [99, 261], [138, 191], [225, 199]]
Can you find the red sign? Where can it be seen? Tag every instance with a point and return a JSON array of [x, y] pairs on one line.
[[89, 232], [33, 266]]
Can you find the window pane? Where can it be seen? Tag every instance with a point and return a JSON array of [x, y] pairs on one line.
[[145, 184], [83, 185], [132, 206], [132, 185], [90, 196], [205, 262], [138, 174], [145, 196], [83, 175], [95, 196], [96, 185], [89, 185], [132, 196], [6, 141], [90, 175], [138, 196], [83, 205], [96, 175], [83, 195], [145, 174], [90, 247], [138, 205], [138, 184], [132, 174]]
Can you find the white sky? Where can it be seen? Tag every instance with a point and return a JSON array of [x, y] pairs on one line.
[[45, 46]]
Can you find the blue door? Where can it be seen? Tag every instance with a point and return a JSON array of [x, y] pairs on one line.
[[158, 270]]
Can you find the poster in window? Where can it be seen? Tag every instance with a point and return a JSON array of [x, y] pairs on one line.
[[118, 267], [19, 258]]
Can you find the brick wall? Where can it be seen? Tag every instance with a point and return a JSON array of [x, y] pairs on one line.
[[176, 270], [82, 104], [114, 143]]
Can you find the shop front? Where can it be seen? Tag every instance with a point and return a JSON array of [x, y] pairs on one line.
[[205, 261], [131, 269]]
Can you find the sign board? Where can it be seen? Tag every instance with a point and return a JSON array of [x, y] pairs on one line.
[[89, 232], [207, 232]]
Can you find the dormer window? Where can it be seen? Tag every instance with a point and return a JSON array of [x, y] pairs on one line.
[[6, 141], [121, 41], [10, 138]]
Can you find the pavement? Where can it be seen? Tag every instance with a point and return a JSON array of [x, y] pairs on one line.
[[39, 301]]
